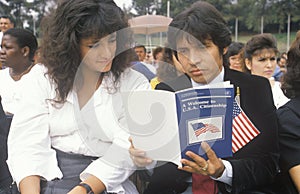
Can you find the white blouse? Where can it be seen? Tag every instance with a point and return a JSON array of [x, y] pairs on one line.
[[95, 130], [278, 95]]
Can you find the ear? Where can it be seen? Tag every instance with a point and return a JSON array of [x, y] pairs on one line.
[[248, 64], [25, 51], [225, 50]]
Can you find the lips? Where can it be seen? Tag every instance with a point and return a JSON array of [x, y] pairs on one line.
[[236, 65], [2, 59], [196, 72], [102, 62], [269, 72]]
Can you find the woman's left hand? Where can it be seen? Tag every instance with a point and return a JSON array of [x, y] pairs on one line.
[[138, 156]]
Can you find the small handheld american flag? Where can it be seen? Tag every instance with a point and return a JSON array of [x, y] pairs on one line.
[[243, 130]]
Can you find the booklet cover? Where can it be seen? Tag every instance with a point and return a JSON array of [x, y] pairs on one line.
[[167, 124]]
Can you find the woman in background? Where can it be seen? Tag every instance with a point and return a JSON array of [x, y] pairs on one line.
[[168, 68], [17, 53], [234, 57], [261, 59]]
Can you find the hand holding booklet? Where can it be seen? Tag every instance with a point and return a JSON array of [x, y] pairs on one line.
[[166, 125]]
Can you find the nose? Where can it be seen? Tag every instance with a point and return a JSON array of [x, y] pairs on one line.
[[195, 56], [2, 50], [269, 63], [105, 51]]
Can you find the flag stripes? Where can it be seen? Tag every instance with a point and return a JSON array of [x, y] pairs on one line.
[[243, 130]]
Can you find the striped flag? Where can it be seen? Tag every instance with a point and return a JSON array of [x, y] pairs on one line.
[[201, 128], [243, 130]]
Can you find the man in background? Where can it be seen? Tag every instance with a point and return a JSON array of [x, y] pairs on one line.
[[146, 69], [6, 23]]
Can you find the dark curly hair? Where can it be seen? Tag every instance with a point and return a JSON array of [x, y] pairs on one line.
[[204, 22], [72, 21], [291, 80], [259, 42]]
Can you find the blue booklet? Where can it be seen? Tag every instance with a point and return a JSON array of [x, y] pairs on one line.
[[167, 124], [205, 114]]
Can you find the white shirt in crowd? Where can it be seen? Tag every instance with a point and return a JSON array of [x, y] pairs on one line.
[[150, 67], [278, 95], [10, 91]]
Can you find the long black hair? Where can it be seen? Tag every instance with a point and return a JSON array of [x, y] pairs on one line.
[[72, 21], [291, 80]]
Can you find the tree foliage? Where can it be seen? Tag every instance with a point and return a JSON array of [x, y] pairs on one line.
[[250, 13], [29, 12]]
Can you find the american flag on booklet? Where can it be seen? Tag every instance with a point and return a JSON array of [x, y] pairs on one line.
[[243, 130], [201, 128]]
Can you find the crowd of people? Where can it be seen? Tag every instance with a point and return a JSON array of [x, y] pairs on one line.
[[62, 118]]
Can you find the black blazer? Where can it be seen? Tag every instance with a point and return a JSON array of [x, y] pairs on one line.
[[256, 164], [5, 177], [289, 143]]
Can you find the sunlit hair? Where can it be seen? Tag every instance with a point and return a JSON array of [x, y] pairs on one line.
[[204, 22], [291, 80], [24, 38], [72, 21], [259, 42]]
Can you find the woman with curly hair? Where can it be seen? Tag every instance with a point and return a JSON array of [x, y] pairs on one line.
[[289, 124], [69, 135], [261, 59]]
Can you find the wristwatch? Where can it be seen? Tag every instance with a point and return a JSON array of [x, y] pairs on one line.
[[87, 188]]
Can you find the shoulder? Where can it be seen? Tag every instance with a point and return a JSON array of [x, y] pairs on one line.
[[131, 79], [132, 75], [37, 72], [36, 80], [180, 83], [39, 68], [291, 107], [289, 116], [256, 94], [154, 82], [246, 80], [4, 74]]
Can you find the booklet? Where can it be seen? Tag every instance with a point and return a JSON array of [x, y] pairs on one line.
[[166, 124]]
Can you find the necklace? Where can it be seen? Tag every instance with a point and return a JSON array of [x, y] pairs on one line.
[[17, 77]]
